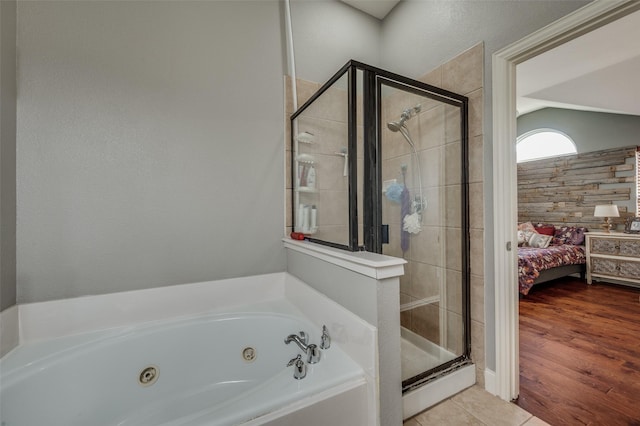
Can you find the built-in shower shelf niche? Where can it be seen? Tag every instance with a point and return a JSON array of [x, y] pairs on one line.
[[307, 189], [305, 137], [310, 231], [307, 219], [305, 158], [307, 178]]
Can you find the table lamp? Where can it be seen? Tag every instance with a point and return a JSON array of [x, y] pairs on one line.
[[607, 211]]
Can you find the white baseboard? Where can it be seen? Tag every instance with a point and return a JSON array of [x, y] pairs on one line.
[[9, 331], [490, 381]]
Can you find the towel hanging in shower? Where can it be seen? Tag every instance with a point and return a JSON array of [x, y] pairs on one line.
[[405, 209]]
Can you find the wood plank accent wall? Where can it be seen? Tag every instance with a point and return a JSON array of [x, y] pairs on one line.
[[565, 190]]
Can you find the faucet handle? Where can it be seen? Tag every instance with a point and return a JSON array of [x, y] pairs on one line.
[[294, 360], [325, 340], [299, 369], [304, 337]]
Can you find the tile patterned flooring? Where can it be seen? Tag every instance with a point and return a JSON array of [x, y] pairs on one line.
[[475, 407]]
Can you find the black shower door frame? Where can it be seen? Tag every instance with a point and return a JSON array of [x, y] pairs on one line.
[[373, 79]]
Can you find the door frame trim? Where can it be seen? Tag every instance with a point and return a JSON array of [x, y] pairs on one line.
[[504, 61]]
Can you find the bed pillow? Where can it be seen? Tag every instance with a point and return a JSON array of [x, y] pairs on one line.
[[546, 229], [569, 235], [561, 236], [527, 227], [539, 240], [524, 237], [577, 237]]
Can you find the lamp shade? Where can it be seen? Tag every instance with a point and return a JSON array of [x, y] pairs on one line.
[[606, 210]]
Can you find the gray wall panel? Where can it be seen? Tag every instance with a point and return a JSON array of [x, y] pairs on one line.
[[7, 154], [150, 144], [591, 131]]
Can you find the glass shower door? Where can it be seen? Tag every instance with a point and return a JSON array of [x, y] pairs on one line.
[[424, 206], [379, 163]]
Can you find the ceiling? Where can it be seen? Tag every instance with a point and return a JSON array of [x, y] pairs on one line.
[[599, 71], [375, 8]]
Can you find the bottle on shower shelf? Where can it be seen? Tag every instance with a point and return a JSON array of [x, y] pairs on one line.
[[302, 174], [300, 221], [314, 218], [306, 218], [311, 177]]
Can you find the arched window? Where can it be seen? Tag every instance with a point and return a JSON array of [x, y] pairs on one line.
[[543, 143]]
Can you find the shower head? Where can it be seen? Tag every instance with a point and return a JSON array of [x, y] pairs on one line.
[[407, 114], [399, 126], [395, 126]]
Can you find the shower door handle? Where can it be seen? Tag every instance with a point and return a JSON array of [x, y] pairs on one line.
[[384, 234]]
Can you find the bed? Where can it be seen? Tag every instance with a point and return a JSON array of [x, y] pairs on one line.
[[538, 265], [564, 255]]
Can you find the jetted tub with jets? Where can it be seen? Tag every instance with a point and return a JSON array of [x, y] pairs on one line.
[[222, 368]]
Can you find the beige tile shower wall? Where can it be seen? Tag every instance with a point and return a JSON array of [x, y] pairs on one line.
[[326, 119], [305, 89], [433, 269], [433, 281], [464, 74]]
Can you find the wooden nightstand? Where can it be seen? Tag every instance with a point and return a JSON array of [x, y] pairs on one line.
[[613, 256]]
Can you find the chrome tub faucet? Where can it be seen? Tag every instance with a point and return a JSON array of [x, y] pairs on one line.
[[302, 340]]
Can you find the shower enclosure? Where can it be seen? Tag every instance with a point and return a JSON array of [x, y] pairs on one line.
[[379, 163]]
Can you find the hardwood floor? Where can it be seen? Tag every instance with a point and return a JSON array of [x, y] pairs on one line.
[[580, 353]]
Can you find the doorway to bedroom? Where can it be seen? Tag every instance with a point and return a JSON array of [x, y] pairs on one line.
[[570, 331]]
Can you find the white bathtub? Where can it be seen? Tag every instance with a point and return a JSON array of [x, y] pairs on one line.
[[92, 378]]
